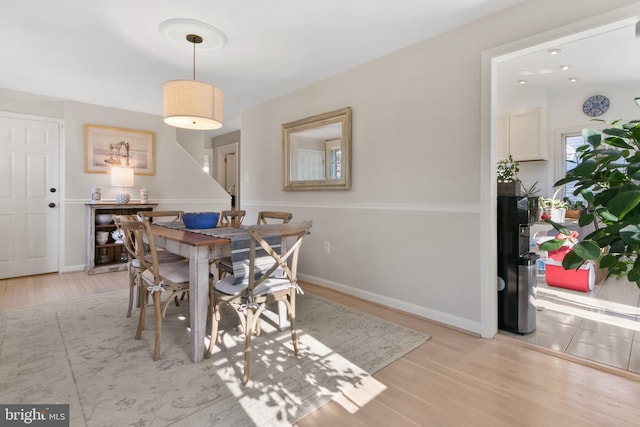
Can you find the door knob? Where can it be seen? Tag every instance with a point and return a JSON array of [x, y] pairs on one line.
[[52, 205], [52, 189]]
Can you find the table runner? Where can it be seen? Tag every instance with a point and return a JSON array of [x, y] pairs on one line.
[[231, 233], [239, 237]]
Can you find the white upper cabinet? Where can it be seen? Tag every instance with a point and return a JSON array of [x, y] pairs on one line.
[[522, 134]]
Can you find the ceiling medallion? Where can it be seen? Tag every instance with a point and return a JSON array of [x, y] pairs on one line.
[[176, 30]]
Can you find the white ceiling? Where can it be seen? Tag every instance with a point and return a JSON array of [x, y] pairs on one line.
[[607, 55], [111, 52]]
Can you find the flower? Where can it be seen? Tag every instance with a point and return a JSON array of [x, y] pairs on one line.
[[561, 240], [570, 240]]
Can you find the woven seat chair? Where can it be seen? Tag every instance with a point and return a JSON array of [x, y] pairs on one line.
[[133, 264], [265, 274], [232, 218], [264, 217], [155, 278]]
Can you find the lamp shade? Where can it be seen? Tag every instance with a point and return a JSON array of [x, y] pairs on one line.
[[191, 104], [121, 177]]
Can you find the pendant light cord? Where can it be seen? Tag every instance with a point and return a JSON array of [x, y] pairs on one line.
[[195, 39], [194, 60]]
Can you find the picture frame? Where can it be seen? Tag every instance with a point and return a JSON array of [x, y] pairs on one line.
[[106, 146]]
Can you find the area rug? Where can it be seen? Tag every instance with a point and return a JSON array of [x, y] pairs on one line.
[[83, 353]]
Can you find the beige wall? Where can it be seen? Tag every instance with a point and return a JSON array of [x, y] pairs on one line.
[[416, 231], [178, 183]]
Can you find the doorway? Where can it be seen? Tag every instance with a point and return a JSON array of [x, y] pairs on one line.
[[30, 212], [227, 171], [601, 325]]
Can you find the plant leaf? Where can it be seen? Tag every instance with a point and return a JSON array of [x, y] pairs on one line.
[[585, 219], [587, 249], [630, 234], [552, 245], [572, 261], [608, 261], [584, 169], [634, 275], [623, 203]]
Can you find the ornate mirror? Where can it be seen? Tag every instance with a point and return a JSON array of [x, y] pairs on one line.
[[317, 152]]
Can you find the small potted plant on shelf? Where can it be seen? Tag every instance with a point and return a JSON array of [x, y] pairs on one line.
[[531, 193], [507, 173], [553, 209], [574, 207]]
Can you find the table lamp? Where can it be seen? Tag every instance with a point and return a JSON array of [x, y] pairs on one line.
[[122, 177]]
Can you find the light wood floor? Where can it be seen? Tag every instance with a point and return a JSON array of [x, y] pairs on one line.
[[454, 379]]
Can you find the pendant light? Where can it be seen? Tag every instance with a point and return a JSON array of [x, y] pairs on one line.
[[191, 104]]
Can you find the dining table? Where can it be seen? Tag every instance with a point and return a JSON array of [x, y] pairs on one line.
[[199, 249]]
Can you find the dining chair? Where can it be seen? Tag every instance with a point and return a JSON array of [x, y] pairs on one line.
[[155, 278], [265, 274], [133, 266], [232, 218], [264, 217], [161, 216], [164, 217]]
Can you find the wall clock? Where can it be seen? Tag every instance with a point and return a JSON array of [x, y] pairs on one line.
[[595, 105]]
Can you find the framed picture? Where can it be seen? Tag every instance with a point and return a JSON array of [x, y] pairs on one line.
[[105, 147]]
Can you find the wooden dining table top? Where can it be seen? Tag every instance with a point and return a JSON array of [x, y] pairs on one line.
[[185, 236]]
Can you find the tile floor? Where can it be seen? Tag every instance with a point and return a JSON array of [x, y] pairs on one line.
[[602, 325]]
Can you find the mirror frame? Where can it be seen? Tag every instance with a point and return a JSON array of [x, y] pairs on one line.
[[342, 116]]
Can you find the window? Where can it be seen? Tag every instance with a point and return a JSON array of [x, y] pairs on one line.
[[571, 143], [335, 163]]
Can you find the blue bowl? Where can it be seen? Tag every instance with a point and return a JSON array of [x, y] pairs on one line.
[[198, 220]]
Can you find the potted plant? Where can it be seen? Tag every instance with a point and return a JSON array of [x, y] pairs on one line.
[[608, 177], [507, 173], [574, 207], [532, 195], [553, 209]]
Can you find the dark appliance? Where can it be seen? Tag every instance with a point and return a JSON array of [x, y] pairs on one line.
[[517, 270]]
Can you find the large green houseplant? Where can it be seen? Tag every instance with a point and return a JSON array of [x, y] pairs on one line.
[[608, 177]]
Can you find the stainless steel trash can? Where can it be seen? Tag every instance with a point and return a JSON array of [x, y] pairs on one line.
[[527, 281]]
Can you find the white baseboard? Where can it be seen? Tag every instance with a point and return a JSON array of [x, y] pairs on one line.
[[72, 268], [438, 316]]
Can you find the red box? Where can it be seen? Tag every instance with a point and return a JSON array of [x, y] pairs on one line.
[[558, 254], [581, 279]]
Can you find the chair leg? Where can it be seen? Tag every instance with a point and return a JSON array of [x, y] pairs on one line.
[[143, 311], [247, 345], [131, 287], [292, 315], [214, 312], [158, 315]]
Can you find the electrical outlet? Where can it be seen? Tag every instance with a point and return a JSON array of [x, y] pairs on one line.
[[327, 247]]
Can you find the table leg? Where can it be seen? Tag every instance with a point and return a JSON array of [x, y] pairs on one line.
[[198, 299]]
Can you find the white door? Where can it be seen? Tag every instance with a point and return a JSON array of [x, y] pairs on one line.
[[29, 196], [310, 165], [231, 173], [226, 170]]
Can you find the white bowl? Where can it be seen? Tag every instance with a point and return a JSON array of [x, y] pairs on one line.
[[102, 237], [104, 219]]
